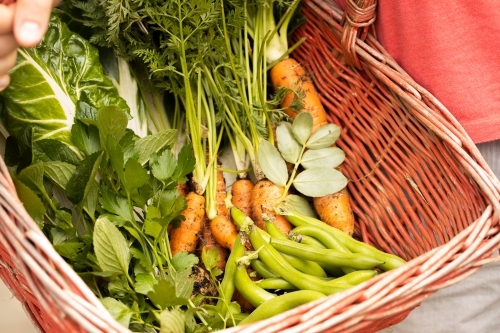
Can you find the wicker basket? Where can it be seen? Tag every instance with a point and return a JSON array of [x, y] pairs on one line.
[[419, 186]]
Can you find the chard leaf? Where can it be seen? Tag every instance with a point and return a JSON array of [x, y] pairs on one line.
[[110, 246], [118, 310], [112, 122], [135, 175], [172, 321], [325, 136], [302, 127], [318, 182], [287, 144], [324, 157], [53, 150], [79, 184], [48, 81], [31, 201], [272, 164], [151, 144], [59, 172], [12, 156], [86, 113]]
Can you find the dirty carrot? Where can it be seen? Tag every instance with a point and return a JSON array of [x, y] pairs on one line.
[[241, 195], [224, 231], [185, 237], [265, 195]]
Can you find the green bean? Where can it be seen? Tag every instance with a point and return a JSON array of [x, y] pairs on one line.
[[390, 261], [330, 241], [281, 304], [227, 285], [356, 277], [274, 260], [249, 289], [308, 240], [276, 283], [329, 256], [262, 269]]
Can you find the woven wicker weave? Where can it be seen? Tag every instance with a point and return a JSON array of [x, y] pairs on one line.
[[419, 186]]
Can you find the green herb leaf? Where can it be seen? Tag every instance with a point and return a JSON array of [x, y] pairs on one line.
[[163, 166], [318, 182], [116, 157], [185, 164], [301, 205], [324, 157], [183, 260], [144, 283], [69, 249], [32, 176], [31, 201], [143, 259], [135, 176], [111, 249], [118, 310], [79, 184], [172, 321], [92, 198], [210, 259], [325, 136], [59, 172], [152, 228], [287, 144], [115, 204], [164, 295], [151, 144], [272, 164], [85, 138], [54, 150], [302, 127], [111, 121]]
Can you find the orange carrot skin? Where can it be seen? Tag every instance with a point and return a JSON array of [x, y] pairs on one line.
[[208, 243], [335, 210], [290, 74], [221, 195], [241, 195], [224, 231], [185, 237], [265, 194]]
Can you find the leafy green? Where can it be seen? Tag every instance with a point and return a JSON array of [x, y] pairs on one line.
[[112, 251], [272, 164]]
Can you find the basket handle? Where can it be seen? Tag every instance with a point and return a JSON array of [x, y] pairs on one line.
[[358, 16]]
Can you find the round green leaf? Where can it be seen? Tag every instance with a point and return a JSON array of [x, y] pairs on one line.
[[301, 205], [287, 145], [302, 127], [318, 182], [325, 136], [272, 164], [325, 157]]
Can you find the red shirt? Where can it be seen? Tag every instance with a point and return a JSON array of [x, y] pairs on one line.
[[451, 48]]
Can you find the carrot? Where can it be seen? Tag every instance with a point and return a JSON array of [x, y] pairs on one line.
[[221, 194], [241, 195], [335, 210], [185, 237], [209, 242], [289, 74], [224, 231], [265, 195]]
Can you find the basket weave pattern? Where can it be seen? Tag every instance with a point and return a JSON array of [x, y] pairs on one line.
[[419, 189]]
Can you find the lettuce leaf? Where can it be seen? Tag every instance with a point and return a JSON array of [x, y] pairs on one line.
[[49, 80]]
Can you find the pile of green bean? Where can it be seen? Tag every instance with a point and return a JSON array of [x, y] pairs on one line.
[[316, 260]]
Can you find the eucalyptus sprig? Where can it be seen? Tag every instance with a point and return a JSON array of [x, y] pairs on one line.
[[312, 155]]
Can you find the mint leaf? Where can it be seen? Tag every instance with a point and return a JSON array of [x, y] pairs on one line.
[[54, 150], [31, 201], [85, 138], [144, 283], [32, 176], [111, 121], [110, 246], [115, 154], [92, 197], [79, 184], [172, 321], [135, 175], [86, 113], [59, 172], [118, 310], [151, 144]]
